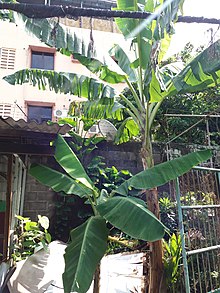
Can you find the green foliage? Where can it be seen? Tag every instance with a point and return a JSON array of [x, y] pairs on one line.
[[163, 173], [66, 42], [206, 102], [87, 247], [30, 236], [72, 211], [172, 262], [128, 214], [131, 216], [168, 214], [4, 13], [105, 177], [153, 83], [83, 146]]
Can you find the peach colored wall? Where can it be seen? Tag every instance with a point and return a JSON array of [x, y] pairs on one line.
[[15, 37]]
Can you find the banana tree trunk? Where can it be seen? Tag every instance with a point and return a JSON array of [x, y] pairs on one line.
[[156, 282], [156, 252]]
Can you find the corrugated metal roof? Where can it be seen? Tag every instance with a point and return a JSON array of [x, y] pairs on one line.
[[10, 123]]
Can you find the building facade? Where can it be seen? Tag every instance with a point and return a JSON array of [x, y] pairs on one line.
[[20, 50]]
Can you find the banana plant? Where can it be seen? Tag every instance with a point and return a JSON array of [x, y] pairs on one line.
[[149, 81], [89, 240]]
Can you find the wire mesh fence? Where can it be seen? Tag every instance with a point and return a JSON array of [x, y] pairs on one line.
[[202, 246], [199, 205]]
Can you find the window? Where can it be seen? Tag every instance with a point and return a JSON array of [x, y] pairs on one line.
[[39, 113], [7, 58], [42, 60]]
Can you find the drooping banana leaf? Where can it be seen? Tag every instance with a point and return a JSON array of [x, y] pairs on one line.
[[87, 247], [103, 109], [63, 82], [123, 61], [70, 163], [68, 42], [163, 173], [201, 73], [58, 181], [132, 217]]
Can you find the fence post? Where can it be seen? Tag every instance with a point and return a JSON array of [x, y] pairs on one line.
[[182, 234]]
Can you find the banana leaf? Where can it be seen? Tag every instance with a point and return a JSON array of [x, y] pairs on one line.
[[63, 82], [127, 129], [70, 163], [131, 216], [201, 73], [123, 61], [87, 247], [163, 173], [58, 181], [69, 42]]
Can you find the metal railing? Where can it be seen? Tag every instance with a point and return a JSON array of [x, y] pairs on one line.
[[198, 203]]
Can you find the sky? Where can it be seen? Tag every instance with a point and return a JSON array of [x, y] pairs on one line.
[[197, 34], [204, 8]]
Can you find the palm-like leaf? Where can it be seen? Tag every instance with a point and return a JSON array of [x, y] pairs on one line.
[[103, 109], [131, 216], [101, 97], [147, 31], [76, 181], [163, 173], [87, 247]]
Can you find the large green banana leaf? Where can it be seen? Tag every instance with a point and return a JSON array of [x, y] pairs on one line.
[[163, 173], [143, 32], [58, 181], [132, 217], [70, 163], [87, 247], [101, 103], [201, 73], [68, 42], [63, 82]]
